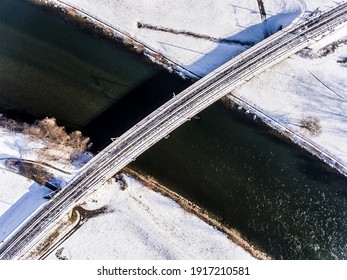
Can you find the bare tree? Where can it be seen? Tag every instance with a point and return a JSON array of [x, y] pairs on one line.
[[311, 125]]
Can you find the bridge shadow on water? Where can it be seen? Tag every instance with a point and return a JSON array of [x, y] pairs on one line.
[[159, 88], [132, 108]]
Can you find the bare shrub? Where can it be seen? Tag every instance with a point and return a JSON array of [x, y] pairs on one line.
[[10, 125], [55, 137], [139, 48], [123, 185], [128, 41], [78, 141], [158, 57], [47, 129], [59, 254], [51, 131], [311, 125], [79, 144]]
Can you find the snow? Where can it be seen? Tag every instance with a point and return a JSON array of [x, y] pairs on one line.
[[233, 20], [12, 188], [16, 146], [142, 224], [20, 201]]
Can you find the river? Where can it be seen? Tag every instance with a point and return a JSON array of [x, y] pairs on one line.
[[278, 197]]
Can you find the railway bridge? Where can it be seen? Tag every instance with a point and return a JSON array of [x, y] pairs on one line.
[[181, 108]]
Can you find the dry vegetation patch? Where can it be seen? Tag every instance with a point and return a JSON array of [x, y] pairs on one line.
[[58, 142]]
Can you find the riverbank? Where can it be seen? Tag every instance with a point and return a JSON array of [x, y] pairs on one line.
[[308, 100], [168, 216], [288, 97], [189, 42], [126, 219], [204, 215]]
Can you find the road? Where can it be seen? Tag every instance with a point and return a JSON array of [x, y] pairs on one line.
[[181, 108]]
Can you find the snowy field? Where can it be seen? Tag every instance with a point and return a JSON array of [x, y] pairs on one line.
[[139, 223], [232, 20], [19, 198]]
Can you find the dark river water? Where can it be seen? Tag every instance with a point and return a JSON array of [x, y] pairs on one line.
[[280, 199]]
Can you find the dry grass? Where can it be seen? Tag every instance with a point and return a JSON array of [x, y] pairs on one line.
[[128, 41]]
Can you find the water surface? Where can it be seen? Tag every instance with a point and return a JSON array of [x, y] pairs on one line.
[[278, 197]]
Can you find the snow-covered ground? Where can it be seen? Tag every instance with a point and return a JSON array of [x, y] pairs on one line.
[[20, 196], [139, 223], [302, 88], [295, 90], [233, 20]]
